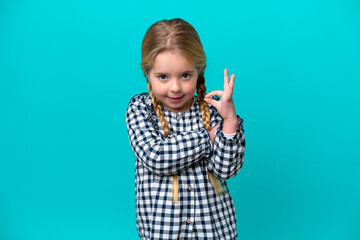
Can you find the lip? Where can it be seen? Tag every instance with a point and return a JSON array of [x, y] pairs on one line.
[[178, 99]]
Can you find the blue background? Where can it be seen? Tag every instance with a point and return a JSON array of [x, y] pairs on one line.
[[69, 68]]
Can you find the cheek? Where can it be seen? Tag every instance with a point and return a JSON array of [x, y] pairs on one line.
[[190, 87], [158, 90]]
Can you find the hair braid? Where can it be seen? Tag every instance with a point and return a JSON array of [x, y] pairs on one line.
[[166, 129], [205, 116], [159, 112], [204, 108]]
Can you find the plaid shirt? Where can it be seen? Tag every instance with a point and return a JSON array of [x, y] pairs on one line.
[[187, 152]]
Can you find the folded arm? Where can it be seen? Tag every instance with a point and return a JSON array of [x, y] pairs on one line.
[[228, 149], [163, 156]]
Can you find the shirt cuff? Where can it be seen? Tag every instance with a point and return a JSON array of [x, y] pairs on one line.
[[229, 135]]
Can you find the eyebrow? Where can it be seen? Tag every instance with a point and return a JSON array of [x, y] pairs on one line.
[[181, 72]]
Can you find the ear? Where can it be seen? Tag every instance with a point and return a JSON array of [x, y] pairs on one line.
[[147, 76]]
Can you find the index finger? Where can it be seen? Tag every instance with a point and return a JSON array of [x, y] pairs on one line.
[[226, 79]]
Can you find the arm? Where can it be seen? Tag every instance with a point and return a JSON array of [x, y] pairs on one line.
[[228, 153], [163, 156]]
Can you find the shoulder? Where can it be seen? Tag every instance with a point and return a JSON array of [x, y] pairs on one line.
[[139, 109], [140, 102]]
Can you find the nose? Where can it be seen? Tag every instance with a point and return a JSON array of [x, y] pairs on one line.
[[175, 85]]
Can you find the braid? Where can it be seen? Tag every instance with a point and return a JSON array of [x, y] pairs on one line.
[[165, 127], [159, 112], [204, 108], [205, 116]]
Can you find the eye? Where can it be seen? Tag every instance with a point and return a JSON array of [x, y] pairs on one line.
[[186, 75], [162, 77]]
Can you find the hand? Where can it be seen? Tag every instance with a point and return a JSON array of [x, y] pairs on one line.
[[225, 106]]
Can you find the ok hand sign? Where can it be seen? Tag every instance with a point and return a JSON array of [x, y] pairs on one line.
[[225, 106]]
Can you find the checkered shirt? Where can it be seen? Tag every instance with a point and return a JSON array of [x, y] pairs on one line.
[[187, 152]]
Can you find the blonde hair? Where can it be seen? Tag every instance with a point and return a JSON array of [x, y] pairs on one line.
[[179, 36]]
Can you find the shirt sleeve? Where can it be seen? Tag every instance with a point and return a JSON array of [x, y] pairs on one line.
[[228, 153], [163, 156]]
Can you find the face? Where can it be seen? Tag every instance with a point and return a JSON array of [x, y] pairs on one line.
[[173, 79]]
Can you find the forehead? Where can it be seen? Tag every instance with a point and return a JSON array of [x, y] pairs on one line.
[[171, 62]]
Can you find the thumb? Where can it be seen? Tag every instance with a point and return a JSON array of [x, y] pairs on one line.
[[212, 102]]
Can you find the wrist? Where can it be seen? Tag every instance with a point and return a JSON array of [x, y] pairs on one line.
[[234, 117], [230, 125]]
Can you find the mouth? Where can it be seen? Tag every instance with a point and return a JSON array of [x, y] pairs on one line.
[[175, 99]]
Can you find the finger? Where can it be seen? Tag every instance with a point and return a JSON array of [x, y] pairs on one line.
[[231, 84], [226, 79], [233, 77], [229, 91], [208, 100], [215, 93], [216, 104]]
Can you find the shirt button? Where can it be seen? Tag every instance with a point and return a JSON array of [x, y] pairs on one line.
[[190, 188], [188, 221], [178, 117]]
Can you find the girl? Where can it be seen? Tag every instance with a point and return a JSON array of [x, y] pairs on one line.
[[185, 146]]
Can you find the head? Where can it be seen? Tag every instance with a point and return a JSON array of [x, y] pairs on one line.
[[175, 35], [174, 41], [174, 61]]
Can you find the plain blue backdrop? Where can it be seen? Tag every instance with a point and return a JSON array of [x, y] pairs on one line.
[[69, 68]]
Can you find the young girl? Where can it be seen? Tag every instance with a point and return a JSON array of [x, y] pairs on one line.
[[185, 146]]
